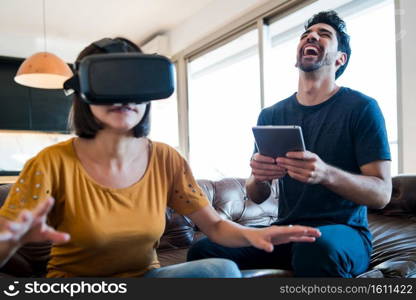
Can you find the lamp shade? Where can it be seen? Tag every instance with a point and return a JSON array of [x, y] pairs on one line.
[[43, 70]]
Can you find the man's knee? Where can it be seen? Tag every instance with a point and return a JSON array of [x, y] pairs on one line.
[[320, 259], [201, 249]]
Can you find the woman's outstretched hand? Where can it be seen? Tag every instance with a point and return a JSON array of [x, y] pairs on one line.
[[266, 238], [30, 226]]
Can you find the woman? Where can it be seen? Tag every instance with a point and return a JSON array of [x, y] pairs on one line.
[[111, 186]]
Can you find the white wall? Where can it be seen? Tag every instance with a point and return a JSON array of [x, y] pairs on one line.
[[406, 44], [214, 16]]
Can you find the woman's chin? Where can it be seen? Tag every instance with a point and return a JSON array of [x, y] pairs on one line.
[[122, 129]]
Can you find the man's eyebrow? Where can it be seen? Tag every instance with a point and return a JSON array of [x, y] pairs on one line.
[[320, 30], [306, 32], [325, 31]]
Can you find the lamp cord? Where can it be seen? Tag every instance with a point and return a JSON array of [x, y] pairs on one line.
[[44, 23]]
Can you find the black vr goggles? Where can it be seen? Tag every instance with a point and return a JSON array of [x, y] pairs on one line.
[[121, 77]]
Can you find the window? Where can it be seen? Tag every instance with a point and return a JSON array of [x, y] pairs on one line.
[[19, 146], [371, 70], [224, 102], [164, 121]]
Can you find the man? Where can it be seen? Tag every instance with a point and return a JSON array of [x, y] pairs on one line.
[[346, 167]]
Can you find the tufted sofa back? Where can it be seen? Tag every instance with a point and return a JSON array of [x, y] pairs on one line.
[[393, 228]]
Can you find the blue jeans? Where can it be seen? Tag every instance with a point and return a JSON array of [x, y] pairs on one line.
[[341, 251], [203, 268]]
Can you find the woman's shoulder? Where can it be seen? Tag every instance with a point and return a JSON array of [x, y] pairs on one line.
[[165, 151], [64, 147], [50, 160], [56, 151]]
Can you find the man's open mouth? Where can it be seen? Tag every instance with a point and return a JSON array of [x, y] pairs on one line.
[[310, 51]]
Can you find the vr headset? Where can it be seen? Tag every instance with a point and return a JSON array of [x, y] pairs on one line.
[[120, 76]]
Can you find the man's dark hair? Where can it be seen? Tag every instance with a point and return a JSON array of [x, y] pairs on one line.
[[82, 120], [332, 19]]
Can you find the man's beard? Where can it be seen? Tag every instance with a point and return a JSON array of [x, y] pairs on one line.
[[326, 60]]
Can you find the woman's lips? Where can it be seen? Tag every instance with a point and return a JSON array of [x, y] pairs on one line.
[[122, 109]]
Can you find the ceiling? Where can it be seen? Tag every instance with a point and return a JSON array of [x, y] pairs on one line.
[[73, 24]]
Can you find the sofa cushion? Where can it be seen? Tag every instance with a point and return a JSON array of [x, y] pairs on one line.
[[394, 245]]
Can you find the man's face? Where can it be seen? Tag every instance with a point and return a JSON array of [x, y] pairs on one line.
[[318, 47]]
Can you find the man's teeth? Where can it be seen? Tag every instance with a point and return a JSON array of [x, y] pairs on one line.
[[311, 50]]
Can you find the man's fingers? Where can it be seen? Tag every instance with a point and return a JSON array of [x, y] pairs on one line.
[[265, 166], [261, 158], [268, 172], [300, 171], [305, 155], [286, 162], [299, 177]]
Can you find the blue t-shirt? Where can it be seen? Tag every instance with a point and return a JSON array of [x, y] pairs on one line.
[[346, 131]]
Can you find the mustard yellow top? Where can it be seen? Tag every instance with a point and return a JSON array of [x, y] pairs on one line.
[[114, 232]]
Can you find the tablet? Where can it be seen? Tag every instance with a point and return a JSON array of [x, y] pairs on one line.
[[276, 141]]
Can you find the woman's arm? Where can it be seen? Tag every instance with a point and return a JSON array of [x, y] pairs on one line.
[[30, 226], [231, 234]]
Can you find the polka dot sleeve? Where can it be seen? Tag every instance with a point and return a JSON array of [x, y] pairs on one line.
[[187, 197], [31, 187]]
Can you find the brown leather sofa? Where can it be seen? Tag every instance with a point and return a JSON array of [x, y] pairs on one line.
[[393, 229]]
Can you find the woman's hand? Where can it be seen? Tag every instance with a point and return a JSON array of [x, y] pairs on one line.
[[266, 238], [31, 226]]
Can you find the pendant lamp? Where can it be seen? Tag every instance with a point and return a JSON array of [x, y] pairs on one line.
[[43, 69]]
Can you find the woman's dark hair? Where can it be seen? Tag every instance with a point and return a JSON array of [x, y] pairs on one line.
[[332, 19], [82, 121]]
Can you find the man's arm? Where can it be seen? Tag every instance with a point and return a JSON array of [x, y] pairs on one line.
[[372, 188], [263, 170], [258, 191]]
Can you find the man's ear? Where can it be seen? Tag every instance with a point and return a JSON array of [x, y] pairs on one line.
[[341, 59]]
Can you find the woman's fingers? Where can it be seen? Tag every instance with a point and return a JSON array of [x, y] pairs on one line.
[[265, 245], [286, 234], [56, 237], [5, 236], [43, 208], [307, 239]]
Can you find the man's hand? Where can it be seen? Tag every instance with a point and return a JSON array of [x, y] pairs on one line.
[[305, 166], [266, 238], [264, 168]]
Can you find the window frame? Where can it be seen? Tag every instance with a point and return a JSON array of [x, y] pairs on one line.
[[259, 18]]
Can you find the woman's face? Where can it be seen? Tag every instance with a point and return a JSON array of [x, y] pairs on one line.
[[119, 117]]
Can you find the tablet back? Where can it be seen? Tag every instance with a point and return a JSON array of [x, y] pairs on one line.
[[276, 141]]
